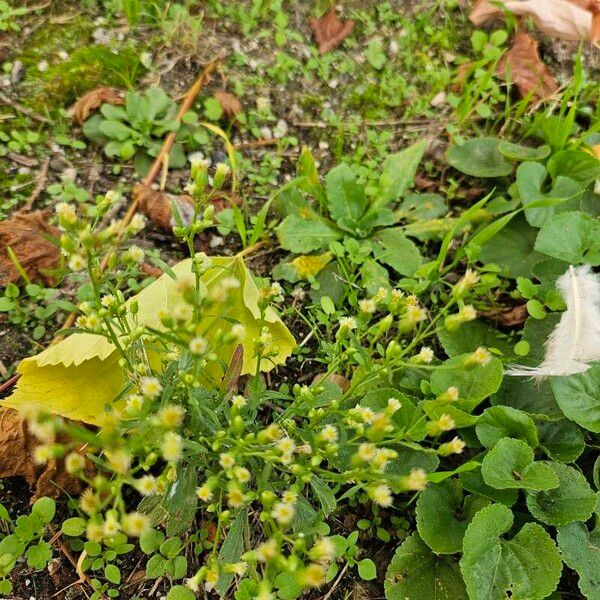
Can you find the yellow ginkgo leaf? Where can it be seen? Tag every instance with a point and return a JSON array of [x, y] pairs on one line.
[[79, 376]]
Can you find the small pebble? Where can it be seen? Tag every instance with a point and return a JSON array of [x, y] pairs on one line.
[[216, 242], [438, 99], [280, 129], [263, 103], [42, 65], [63, 55], [334, 83], [266, 133], [17, 72], [394, 47]]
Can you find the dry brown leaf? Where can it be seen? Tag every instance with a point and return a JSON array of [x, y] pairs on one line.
[[509, 317], [523, 65], [94, 99], [230, 105], [156, 205], [564, 19], [17, 447], [27, 234], [339, 380], [329, 31]]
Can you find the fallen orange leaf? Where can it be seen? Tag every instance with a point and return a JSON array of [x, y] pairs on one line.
[[28, 235], [89, 102], [523, 65], [330, 31]]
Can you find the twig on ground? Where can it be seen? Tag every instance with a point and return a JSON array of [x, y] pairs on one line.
[[24, 110], [335, 583], [42, 179], [256, 144]]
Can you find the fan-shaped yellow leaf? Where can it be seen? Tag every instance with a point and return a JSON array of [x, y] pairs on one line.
[[79, 376]]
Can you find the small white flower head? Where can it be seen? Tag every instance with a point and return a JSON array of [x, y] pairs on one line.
[[367, 306], [112, 196], [381, 495], [238, 331], [454, 446], [77, 262], [289, 497], [111, 526], [467, 313], [241, 474], [329, 434], [150, 387], [222, 169], [74, 463], [136, 254], [393, 405], [211, 578], [235, 497], [238, 401], [366, 451], [226, 460], [119, 460], [146, 485], [283, 513], [348, 323], [135, 523], [172, 447], [171, 416], [323, 551], [426, 355], [66, 213], [204, 493], [198, 345], [381, 295], [267, 551], [481, 356], [197, 160], [134, 403], [137, 223], [286, 445], [108, 300], [416, 480], [450, 395], [445, 423]]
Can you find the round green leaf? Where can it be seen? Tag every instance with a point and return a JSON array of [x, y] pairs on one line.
[[112, 573], [479, 157], [509, 464], [520, 153], [573, 237], [44, 508], [503, 421], [417, 573], [443, 515], [527, 566], [179, 592], [474, 384], [562, 440], [578, 396], [367, 569], [581, 551], [73, 527], [572, 500]]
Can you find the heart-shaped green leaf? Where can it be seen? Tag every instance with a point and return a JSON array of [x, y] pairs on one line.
[[527, 567], [509, 464]]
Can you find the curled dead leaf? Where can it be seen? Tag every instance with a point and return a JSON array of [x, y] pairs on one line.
[[508, 317], [230, 105], [17, 447], [29, 236], [92, 100], [157, 205], [330, 31], [523, 65], [564, 19], [338, 380]]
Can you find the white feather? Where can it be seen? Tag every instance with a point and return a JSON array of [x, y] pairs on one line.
[[575, 342]]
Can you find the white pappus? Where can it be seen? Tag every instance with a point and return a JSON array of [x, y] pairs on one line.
[[575, 342]]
